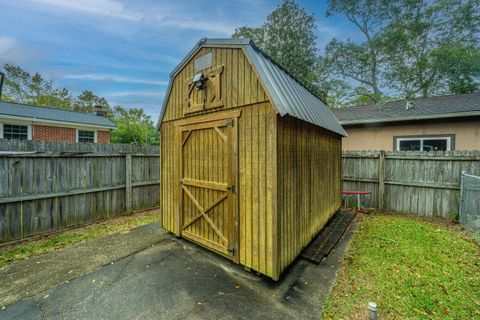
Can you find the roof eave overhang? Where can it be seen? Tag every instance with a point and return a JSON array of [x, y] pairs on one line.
[[35, 120], [414, 118]]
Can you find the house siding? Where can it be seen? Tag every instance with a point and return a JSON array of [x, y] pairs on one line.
[[466, 135]]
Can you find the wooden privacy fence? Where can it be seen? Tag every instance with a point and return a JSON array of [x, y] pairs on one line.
[[422, 183], [45, 187]]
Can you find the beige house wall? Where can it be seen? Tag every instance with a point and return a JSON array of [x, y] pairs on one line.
[[467, 135]]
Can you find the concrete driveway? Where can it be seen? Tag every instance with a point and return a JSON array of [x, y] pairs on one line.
[[174, 279]]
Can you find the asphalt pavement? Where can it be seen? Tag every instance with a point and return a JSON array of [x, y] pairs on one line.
[[170, 278]]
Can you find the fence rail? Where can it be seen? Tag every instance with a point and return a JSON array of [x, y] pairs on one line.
[[422, 183], [50, 186]]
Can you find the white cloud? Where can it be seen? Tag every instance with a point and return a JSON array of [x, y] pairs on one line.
[[11, 50], [113, 78], [164, 15], [137, 93], [96, 7], [7, 44], [189, 23]]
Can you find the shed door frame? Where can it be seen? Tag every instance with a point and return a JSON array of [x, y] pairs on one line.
[[211, 121]]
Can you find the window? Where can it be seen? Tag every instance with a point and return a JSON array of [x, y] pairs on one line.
[[13, 131], [86, 136], [424, 143]]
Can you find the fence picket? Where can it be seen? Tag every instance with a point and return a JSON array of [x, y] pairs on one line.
[[422, 183], [48, 186]]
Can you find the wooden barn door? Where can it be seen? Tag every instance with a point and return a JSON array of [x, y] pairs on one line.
[[207, 185]]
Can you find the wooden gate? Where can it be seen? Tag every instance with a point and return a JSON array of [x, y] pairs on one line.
[[207, 185]]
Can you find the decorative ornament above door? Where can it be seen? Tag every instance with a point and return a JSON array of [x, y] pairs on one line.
[[204, 91]]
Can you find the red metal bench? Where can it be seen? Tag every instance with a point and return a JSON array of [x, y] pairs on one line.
[[358, 194]]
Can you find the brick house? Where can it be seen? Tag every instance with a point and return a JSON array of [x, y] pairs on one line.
[[26, 122], [444, 123]]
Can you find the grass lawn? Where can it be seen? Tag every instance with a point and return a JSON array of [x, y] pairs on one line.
[[412, 269], [26, 250]]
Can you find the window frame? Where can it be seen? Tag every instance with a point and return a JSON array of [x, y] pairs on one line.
[[450, 139], [29, 129], [94, 135]]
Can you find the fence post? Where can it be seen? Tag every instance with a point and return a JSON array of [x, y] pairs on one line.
[[381, 180], [128, 182], [460, 210]]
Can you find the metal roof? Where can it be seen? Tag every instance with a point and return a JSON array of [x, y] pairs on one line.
[[288, 96], [30, 112], [462, 105]]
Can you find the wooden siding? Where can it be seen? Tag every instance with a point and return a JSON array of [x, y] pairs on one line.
[[256, 193], [168, 185], [257, 170], [239, 84], [256, 200], [309, 180], [305, 158]]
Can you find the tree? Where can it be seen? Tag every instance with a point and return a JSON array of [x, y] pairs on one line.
[[288, 37], [257, 35], [460, 64], [87, 101], [434, 48], [362, 61], [339, 94], [414, 48], [133, 126], [20, 86]]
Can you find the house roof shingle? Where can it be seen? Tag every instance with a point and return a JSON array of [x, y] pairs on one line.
[[289, 97], [53, 114], [421, 108]]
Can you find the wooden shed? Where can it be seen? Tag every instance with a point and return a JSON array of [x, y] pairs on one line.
[[250, 159]]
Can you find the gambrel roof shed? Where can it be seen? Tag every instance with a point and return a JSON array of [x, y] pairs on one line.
[[288, 96], [250, 159]]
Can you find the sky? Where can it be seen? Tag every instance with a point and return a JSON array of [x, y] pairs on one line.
[[124, 50]]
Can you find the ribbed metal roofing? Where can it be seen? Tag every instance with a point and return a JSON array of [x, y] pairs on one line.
[[288, 96], [53, 114]]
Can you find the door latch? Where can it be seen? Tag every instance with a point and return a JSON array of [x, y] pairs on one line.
[[231, 188]]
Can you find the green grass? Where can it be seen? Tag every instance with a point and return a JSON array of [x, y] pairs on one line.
[[412, 269], [32, 248]]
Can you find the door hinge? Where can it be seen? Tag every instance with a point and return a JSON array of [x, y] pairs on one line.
[[231, 250], [231, 188], [231, 123]]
